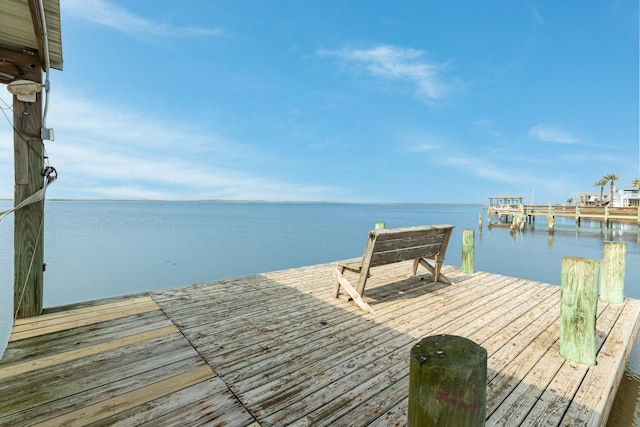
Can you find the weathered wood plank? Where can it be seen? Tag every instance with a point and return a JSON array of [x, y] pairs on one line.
[[88, 311], [123, 402], [36, 347], [21, 368], [207, 402], [56, 323], [77, 385]]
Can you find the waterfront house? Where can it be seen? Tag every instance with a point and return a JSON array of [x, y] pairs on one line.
[[627, 197]]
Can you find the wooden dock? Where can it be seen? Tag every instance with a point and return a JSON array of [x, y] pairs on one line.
[[629, 214], [276, 349]]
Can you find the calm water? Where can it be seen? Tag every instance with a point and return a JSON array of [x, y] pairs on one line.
[[102, 249]]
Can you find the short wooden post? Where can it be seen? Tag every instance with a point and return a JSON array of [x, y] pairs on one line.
[[552, 224], [578, 304], [380, 225], [447, 382], [614, 259], [480, 219], [468, 250]]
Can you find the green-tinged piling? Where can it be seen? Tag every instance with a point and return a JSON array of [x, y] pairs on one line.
[[578, 305], [614, 259], [468, 251]]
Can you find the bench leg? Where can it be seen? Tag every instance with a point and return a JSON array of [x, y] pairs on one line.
[[435, 270], [336, 287], [416, 263], [352, 292]]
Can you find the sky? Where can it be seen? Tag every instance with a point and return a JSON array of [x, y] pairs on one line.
[[341, 101]]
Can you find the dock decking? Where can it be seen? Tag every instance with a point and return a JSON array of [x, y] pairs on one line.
[[276, 349]]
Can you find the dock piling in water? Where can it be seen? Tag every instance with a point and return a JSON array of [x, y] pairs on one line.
[[614, 255], [468, 250]]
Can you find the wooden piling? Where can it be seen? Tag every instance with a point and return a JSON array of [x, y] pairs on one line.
[[578, 304], [468, 251], [552, 225], [614, 258], [447, 382], [28, 221]]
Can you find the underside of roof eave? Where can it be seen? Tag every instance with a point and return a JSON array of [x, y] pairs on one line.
[[23, 25], [45, 16]]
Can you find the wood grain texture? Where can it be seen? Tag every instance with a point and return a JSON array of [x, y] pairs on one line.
[[277, 349]]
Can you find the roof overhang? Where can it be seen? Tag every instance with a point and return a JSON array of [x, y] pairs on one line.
[[22, 36]]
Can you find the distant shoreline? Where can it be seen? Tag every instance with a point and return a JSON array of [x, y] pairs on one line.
[[251, 201]]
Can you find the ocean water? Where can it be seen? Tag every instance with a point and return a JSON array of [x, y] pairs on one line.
[[97, 249]]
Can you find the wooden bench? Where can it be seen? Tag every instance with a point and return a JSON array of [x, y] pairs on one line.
[[391, 245]]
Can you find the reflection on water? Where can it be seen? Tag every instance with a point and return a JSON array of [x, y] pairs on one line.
[[626, 408], [624, 411]]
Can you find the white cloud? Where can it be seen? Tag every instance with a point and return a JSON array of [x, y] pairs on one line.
[[103, 13], [398, 63], [421, 143], [550, 133], [423, 147], [106, 152]]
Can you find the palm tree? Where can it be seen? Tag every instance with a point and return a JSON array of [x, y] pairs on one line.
[[600, 183], [635, 183], [611, 179]]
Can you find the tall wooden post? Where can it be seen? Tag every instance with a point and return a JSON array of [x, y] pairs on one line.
[[468, 249], [29, 164], [578, 304], [614, 260]]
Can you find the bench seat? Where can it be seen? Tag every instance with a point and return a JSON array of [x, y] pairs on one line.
[[387, 246]]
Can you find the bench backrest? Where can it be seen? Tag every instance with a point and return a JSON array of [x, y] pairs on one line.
[[391, 245]]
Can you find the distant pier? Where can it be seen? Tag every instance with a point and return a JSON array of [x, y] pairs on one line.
[[606, 214]]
